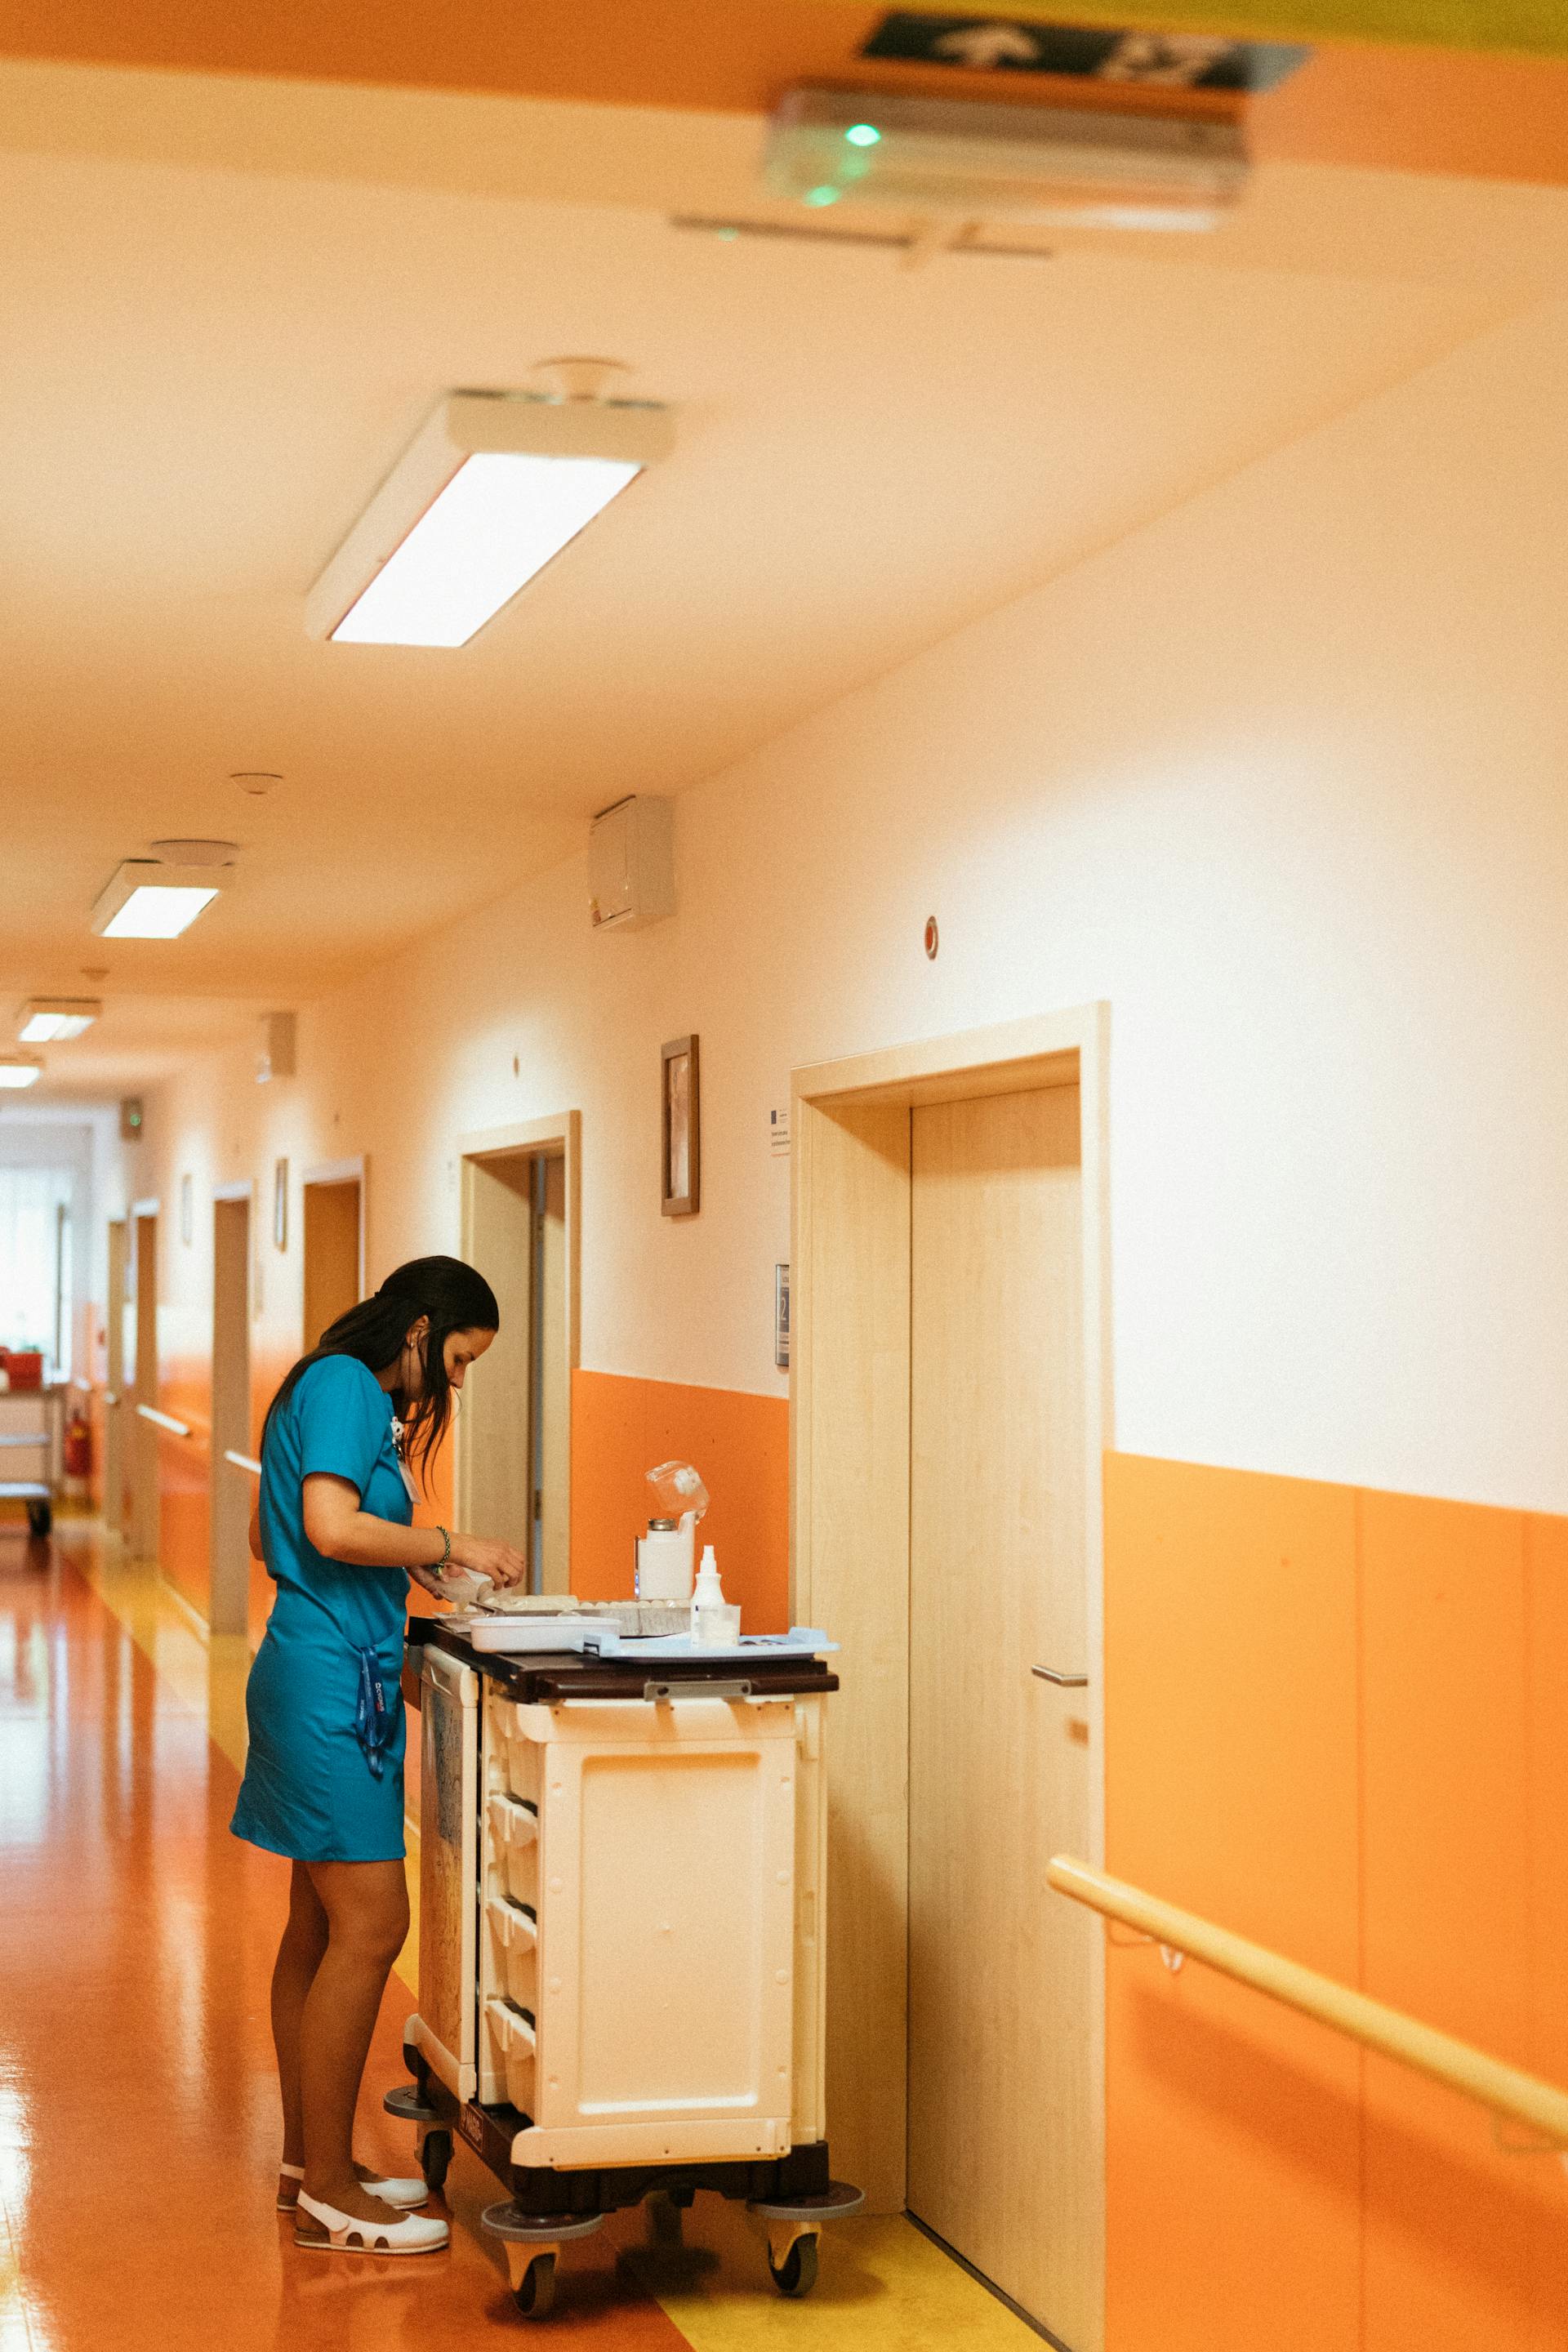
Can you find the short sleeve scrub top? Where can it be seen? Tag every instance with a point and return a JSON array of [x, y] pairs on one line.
[[310, 1791]]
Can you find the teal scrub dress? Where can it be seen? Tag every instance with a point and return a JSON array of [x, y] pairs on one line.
[[310, 1789]]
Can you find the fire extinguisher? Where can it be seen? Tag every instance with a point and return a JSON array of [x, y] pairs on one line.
[[76, 1446]]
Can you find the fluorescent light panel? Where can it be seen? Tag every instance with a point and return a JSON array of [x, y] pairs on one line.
[[149, 900], [55, 1020], [491, 489], [498, 522], [19, 1070]]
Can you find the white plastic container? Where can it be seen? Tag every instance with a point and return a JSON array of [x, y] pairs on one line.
[[514, 1950], [715, 1621], [514, 1848], [664, 1563]]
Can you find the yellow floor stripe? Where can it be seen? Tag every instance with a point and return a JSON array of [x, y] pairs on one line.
[[882, 2287]]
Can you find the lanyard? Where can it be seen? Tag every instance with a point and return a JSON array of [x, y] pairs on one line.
[[372, 1727]]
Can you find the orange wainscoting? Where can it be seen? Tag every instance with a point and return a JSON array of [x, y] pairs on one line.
[[740, 1443], [1338, 1722]]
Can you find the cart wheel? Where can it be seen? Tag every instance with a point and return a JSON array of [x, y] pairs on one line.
[[535, 2296], [796, 2274], [41, 1518], [433, 2159]]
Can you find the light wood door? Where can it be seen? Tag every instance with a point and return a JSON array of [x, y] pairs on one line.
[[495, 1455], [144, 1512], [233, 1491], [333, 1214], [550, 1379], [115, 1382], [1005, 2163]]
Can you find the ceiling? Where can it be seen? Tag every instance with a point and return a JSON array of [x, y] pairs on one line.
[[210, 365]]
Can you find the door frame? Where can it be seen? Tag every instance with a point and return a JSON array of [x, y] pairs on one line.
[[849, 1533], [351, 1170], [560, 1132]]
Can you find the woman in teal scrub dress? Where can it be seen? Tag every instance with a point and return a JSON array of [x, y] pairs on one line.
[[323, 1777]]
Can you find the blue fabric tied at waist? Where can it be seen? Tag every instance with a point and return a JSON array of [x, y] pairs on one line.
[[372, 1723]]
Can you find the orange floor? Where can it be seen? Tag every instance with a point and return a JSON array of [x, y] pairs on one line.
[[139, 2139]]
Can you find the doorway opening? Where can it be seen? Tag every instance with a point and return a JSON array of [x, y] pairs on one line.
[[334, 1209], [233, 1486], [949, 1409], [520, 1228], [141, 1341]]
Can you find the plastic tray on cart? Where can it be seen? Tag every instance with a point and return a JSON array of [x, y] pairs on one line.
[[586, 1637]]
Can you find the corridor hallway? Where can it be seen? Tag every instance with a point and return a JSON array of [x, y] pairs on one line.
[[138, 2139]]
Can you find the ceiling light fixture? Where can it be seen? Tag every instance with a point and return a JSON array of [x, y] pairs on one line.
[[160, 896], [20, 1070], [493, 488], [55, 1020]]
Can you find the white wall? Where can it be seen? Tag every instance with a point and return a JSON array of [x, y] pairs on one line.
[[1285, 778]]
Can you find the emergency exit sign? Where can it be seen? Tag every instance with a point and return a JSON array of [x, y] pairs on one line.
[[1154, 61]]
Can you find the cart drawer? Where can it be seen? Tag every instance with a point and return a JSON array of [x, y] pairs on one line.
[[514, 1953], [513, 1850], [514, 2048], [516, 1752]]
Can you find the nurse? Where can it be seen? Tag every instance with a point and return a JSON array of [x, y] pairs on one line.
[[345, 1436]]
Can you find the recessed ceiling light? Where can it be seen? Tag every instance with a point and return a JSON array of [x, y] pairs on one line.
[[491, 489], [55, 1020], [153, 898], [20, 1070]]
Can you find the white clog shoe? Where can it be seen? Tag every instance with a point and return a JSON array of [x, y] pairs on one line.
[[345, 2233]]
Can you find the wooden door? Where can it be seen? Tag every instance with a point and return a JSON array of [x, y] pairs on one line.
[[495, 1484], [114, 1406], [233, 1490], [333, 1253], [1005, 2160], [550, 1377], [144, 1516]]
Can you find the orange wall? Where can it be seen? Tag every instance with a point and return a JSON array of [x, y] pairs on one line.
[[1336, 1722], [622, 1427]]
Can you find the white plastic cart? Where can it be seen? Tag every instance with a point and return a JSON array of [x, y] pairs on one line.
[[621, 1935], [31, 1426]]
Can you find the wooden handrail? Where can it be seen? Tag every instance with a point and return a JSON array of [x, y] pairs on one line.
[[242, 1461], [1507, 2090]]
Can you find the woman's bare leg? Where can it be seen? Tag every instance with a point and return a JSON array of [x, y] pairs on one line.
[[367, 1910], [299, 1955]]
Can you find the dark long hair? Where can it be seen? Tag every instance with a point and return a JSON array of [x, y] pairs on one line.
[[453, 1295]]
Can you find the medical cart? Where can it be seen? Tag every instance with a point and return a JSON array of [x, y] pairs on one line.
[[31, 1422], [621, 1925]]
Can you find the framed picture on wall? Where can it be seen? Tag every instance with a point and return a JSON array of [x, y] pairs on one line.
[[681, 1159], [280, 1205]]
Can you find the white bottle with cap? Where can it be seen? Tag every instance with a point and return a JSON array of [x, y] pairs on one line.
[[711, 1618]]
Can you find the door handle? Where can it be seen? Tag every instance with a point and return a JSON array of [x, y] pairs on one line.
[[1066, 1682]]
